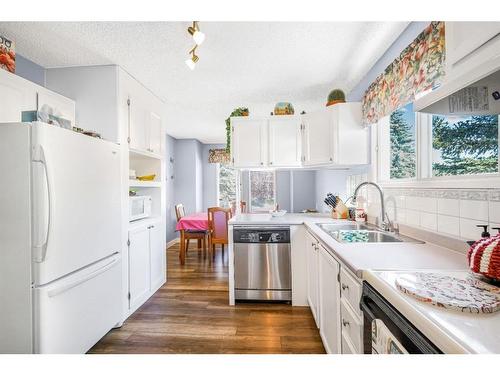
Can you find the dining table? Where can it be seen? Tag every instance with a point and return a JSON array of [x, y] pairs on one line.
[[195, 222]]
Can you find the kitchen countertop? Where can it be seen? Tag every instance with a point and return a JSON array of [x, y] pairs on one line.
[[365, 256], [286, 219], [451, 331]]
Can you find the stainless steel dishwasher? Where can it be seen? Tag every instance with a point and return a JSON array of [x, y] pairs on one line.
[[262, 266]]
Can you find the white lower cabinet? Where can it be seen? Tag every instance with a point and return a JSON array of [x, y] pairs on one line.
[[138, 266], [312, 276], [157, 253], [333, 294], [329, 301], [146, 263]]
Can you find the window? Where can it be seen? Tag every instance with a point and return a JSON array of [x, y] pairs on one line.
[[403, 156], [262, 190], [464, 145], [226, 185]]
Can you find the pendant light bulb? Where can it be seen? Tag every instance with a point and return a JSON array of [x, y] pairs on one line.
[[195, 32], [191, 62], [198, 37]]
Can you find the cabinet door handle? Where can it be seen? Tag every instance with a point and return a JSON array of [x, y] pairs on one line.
[[345, 323], [345, 287], [261, 163]]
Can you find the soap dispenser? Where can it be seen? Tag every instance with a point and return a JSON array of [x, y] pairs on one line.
[[485, 233]]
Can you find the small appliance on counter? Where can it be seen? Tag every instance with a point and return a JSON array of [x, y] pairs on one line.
[[140, 207]]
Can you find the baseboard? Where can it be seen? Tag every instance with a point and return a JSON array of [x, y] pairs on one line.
[[172, 242]]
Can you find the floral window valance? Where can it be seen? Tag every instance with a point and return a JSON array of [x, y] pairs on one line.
[[418, 68], [218, 155]]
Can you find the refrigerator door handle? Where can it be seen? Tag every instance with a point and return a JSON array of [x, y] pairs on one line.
[[63, 288], [42, 249]]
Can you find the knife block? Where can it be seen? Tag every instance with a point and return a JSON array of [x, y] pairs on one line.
[[336, 214]]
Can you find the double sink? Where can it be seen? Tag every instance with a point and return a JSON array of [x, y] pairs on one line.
[[362, 233]]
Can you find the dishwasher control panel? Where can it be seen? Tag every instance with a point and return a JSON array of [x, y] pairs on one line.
[[264, 235]]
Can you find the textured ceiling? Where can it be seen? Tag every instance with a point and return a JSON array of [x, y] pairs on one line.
[[252, 64]]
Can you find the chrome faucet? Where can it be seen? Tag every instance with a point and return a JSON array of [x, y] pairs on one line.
[[386, 222]]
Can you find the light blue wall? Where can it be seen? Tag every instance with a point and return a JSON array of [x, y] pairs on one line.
[[283, 190], [406, 37], [210, 178], [186, 174], [303, 189], [170, 188], [29, 70]]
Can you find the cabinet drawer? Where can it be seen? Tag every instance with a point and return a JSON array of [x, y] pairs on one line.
[[347, 347], [352, 326], [350, 290]]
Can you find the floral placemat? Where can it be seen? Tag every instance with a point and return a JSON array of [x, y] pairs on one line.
[[450, 292]]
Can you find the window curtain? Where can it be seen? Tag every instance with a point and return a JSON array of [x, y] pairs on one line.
[[218, 155], [418, 68]]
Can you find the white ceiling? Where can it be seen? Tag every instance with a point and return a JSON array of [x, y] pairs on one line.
[[253, 64]]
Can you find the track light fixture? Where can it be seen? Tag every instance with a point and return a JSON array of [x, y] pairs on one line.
[[198, 36], [191, 62]]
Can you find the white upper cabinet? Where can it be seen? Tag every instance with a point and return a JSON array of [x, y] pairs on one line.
[[318, 138], [143, 115], [249, 142], [335, 136], [285, 141], [464, 38], [19, 94]]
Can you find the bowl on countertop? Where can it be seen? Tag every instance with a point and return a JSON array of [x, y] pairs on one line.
[[277, 213]]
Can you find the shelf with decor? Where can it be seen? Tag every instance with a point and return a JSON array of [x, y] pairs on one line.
[[144, 184], [140, 154]]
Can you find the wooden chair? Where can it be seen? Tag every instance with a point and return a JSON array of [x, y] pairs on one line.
[[243, 207], [200, 236], [218, 228]]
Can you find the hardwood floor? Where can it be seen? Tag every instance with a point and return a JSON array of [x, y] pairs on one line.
[[190, 314]]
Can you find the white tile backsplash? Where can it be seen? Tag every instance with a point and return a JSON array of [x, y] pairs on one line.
[[469, 230], [413, 217], [454, 212], [472, 209], [449, 207], [428, 221], [494, 211], [448, 225]]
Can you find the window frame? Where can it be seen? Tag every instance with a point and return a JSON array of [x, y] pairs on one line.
[[250, 171], [236, 182], [424, 174]]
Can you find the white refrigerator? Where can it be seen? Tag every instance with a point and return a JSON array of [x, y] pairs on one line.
[[60, 239]]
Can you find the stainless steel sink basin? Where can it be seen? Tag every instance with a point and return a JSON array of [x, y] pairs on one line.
[[362, 233]]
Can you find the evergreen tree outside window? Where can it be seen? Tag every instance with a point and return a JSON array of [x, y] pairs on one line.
[[262, 191], [227, 185], [402, 137], [464, 145]]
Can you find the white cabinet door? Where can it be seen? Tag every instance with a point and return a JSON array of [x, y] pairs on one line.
[[285, 149], [154, 136], [139, 266], [317, 138], [157, 256], [329, 301], [249, 142], [61, 106], [139, 123], [463, 38], [17, 95], [312, 276]]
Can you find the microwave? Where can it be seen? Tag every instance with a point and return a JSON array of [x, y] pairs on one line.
[[140, 207]]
